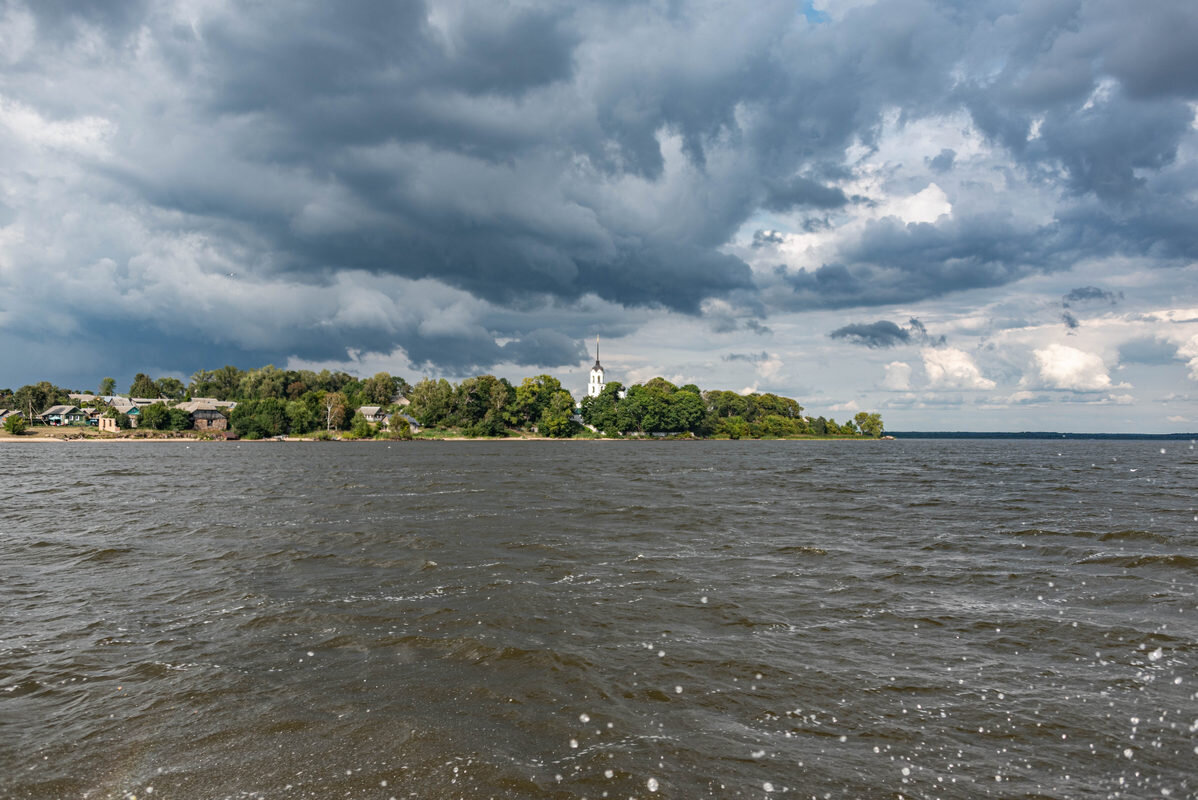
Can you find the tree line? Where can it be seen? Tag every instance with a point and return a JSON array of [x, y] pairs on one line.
[[660, 407], [272, 402]]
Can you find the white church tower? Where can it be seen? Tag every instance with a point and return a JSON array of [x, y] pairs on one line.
[[596, 384]]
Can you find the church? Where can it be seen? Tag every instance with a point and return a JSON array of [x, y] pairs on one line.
[[596, 384]]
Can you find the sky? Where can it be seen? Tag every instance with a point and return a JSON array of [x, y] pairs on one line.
[[974, 215]]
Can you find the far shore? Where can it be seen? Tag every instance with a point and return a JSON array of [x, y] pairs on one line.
[[74, 439]]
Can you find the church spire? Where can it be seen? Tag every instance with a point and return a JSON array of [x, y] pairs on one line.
[[596, 384]]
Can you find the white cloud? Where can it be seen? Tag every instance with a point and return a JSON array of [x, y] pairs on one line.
[[897, 377], [1058, 366], [87, 135], [1189, 351], [950, 368]]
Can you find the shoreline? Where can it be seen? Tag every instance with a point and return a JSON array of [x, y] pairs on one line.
[[292, 440]]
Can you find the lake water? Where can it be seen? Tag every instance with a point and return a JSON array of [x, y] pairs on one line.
[[918, 619]]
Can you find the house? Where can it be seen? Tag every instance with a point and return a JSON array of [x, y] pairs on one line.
[[108, 424], [206, 415], [6, 413], [126, 407], [62, 415], [398, 418], [373, 414], [212, 401]]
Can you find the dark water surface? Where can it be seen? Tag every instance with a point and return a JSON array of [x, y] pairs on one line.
[[565, 620]]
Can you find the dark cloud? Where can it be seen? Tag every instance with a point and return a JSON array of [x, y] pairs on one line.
[[884, 333], [802, 193], [1148, 350], [1070, 321], [874, 334], [542, 155], [1090, 294], [545, 348], [944, 161]]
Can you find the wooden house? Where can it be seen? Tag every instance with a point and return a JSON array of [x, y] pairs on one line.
[[63, 415]]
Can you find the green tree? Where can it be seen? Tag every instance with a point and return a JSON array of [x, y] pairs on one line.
[[262, 383], [733, 428], [220, 384], [300, 417], [686, 411], [15, 424], [556, 418], [143, 386], [533, 396], [178, 419], [36, 398], [359, 428], [431, 402], [170, 388], [107, 387], [601, 412], [870, 424], [381, 389], [155, 416]]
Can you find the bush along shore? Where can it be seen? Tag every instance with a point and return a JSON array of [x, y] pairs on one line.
[[270, 403]]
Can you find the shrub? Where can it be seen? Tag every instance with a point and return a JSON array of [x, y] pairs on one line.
[[15, 425]]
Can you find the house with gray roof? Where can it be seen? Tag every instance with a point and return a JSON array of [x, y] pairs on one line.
[[62, 415]]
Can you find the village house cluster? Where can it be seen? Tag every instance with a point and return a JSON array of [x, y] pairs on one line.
[[204, 413]]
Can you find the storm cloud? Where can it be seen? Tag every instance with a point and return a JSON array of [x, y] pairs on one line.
[[464, 182], [884, 333]]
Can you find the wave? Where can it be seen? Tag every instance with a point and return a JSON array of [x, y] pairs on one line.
[[1143, 560]]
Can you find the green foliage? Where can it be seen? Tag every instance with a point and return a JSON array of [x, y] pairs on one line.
[[555, 419], [155, 416], [143, 386], [15, 425], [431, 402], [179, 420], [380, 389], [122, 419], [220, 384], [733, 428], [273, 401], [359, 428], [400, 429], [170, 388], [36, 398], [533, 396], [107, 387], [870, 424], [260, 418], [601, 411], [301, 417]]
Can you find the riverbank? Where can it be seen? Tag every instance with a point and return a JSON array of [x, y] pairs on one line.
[[74, 436]]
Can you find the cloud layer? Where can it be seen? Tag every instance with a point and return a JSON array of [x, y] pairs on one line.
[[460, 185]]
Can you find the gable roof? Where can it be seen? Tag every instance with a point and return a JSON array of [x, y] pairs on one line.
[[61, 411]]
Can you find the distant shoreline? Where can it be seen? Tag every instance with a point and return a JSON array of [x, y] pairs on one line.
[[897, 435]]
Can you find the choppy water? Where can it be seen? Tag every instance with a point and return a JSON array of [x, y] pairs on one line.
[[566, 620]]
